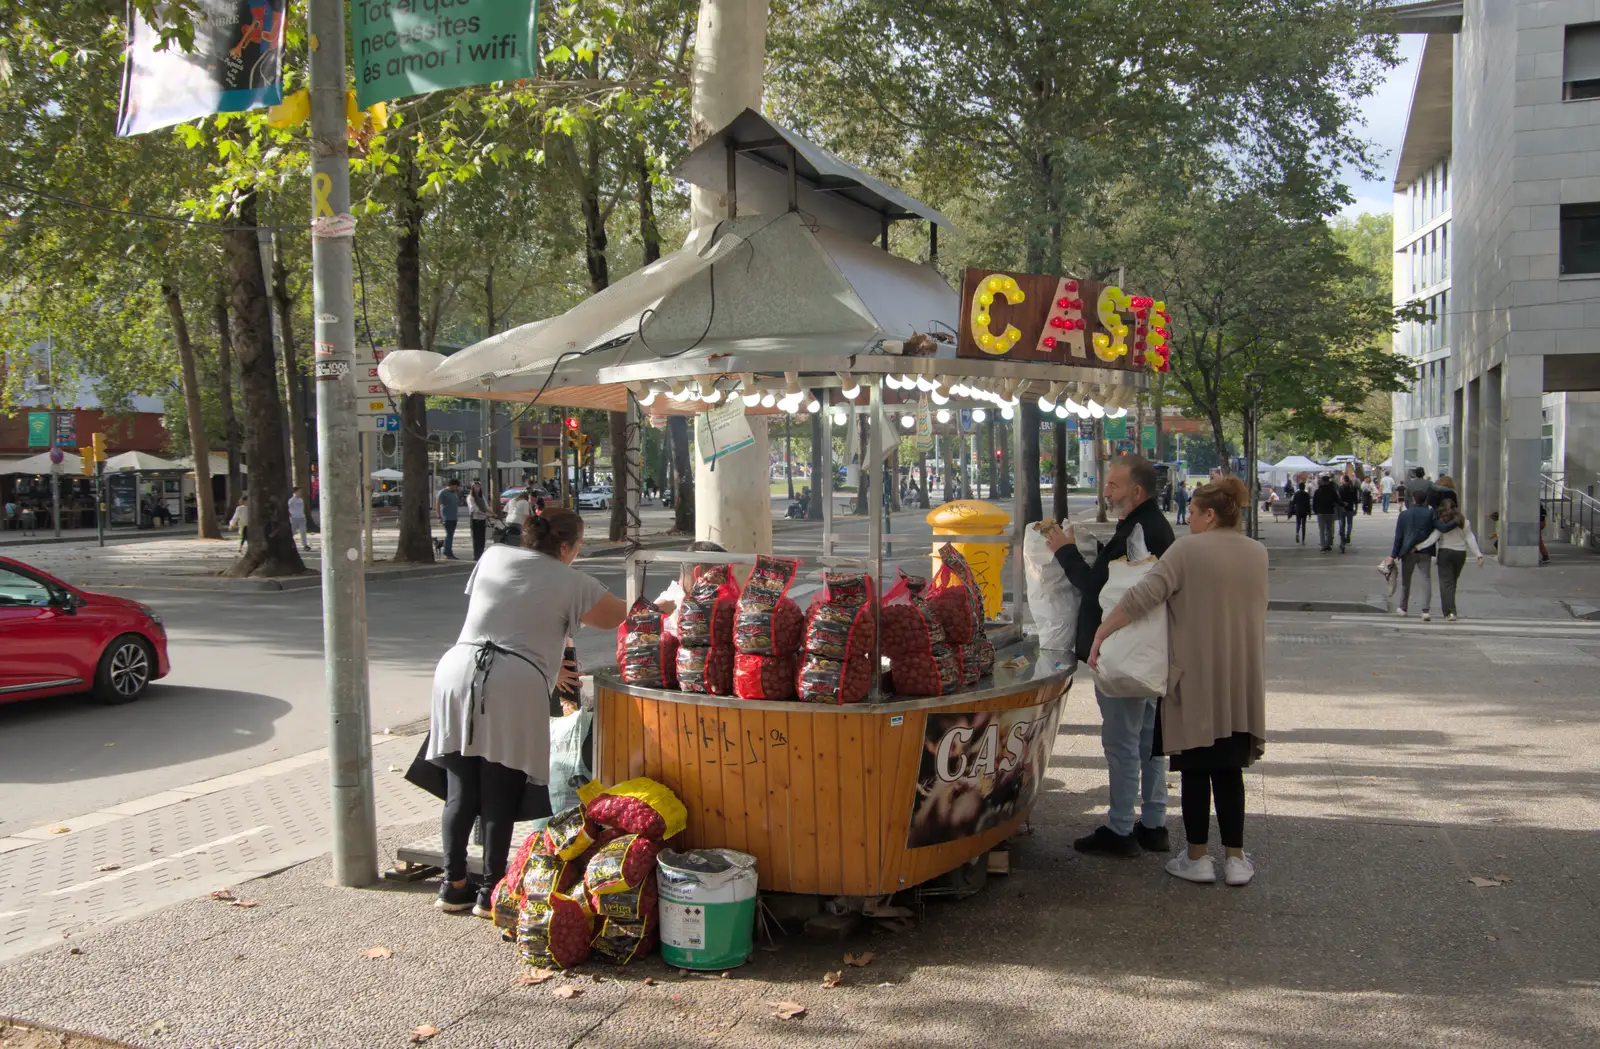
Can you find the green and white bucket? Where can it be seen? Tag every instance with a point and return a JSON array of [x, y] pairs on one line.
[[708, 907]]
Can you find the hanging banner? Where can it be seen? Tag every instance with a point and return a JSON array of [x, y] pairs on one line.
[[236, 64], [722, 431], [411, 47], [38, 429], [924, 426], [1115, 429], [1147, 436]]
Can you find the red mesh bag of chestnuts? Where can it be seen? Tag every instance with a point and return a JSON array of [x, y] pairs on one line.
[[705, 633], [921, 661], [836, 666]]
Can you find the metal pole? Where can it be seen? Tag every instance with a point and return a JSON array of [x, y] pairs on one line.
[[366, 493], [344, 594], [632, 471], [822, 483], [874, 455], [55, 487], [100, 501], [1019, 598]]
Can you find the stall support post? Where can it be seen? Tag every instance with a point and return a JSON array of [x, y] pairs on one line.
[[344, 595], [366, 494], [1019, 597], [822, 483], [875, 457], [55, 496], [633, 471]]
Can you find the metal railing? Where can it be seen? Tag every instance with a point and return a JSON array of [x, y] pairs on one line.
[[1572, 514]]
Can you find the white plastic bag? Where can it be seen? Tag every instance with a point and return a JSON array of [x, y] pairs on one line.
[[1133, 661], [1052, 600]]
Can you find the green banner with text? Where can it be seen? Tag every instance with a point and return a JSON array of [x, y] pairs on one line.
[[411, 47], [1116, 429], [1148, 436]]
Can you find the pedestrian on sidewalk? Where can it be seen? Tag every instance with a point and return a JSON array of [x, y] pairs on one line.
[[1349, 498], [1325, 504], [478, 512], [517, 512], [1386, 489], [1367, 494], [1544, 555], [1127, 725], [1300, 507], [1413, 548], [1454, 544], [1213, 719], [297, 519], [490, 721], [1182, 499], [447, 504], [241, 519]]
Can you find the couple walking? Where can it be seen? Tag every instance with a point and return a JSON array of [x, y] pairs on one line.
[[1432, 529], [1212, 719]]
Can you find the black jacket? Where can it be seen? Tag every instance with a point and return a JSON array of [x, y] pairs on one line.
[[1325, 500], [1089, 579], [1301, 503], [1414, 524], [1349, 497]]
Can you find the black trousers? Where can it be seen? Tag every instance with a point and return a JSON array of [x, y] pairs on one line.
[[1227, 787], [476, 787], [1450, 563], [1300, 527], [480, 535]]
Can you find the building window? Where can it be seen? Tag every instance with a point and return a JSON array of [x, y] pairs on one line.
[[1581, 65], [1580, 238], [1442, 436], [1547, 438], [1409, 456]]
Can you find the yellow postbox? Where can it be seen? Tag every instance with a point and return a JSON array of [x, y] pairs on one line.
[[988, 560]]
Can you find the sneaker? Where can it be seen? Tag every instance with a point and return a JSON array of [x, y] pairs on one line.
[[1238, 870], [1427, 616], [1152, 839], [484, 907], [1544, 560], [1451, 618], [1402, 613], [1107, 842], [1201, 871], [454, 898]]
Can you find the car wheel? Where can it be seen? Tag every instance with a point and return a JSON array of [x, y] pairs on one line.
[[126, 667]]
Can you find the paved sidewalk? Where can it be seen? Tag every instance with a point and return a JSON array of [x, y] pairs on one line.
[[1381, 798]]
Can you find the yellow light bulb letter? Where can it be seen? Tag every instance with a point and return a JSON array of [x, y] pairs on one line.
[[983, 297]]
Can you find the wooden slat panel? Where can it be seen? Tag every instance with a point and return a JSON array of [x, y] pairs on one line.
[[730, 744], [636, 736], [825, 755], [779, 857], [803, 843], [612, 708], [872, 759], [651, 713], [715, 821], [753, 765], [687, 734], [853, 830], [904, 743]]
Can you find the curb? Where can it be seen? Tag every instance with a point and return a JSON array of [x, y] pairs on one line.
[[1582, 611], [308, 581]]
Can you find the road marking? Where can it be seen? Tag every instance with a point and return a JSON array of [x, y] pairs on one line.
[[156, 863]]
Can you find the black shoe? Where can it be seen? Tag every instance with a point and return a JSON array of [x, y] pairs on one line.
[[455, 898], [484, 907], [1107, 842], [1152, 839]]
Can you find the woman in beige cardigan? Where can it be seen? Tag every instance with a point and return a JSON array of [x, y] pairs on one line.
[[1212, 720]]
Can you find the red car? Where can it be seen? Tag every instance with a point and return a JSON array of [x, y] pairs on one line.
[[57, 639]]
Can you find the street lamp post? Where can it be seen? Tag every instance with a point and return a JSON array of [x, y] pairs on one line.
[[1253, 386]]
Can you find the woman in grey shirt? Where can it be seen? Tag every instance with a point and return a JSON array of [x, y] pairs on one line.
[[490, 727]]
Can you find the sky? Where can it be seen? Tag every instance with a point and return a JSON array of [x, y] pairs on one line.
[[1385, 114]]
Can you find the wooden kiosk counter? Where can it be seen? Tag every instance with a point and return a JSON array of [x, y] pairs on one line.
[[857, 800]]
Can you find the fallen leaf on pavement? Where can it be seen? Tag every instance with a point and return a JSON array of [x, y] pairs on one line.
[[568, 992], [376, 952], [1484, 883], [536, 976], [422, 1032], [223, 895], [858, 960], [109, 867], [1491, 937], [832, 979], [246, 904], [60, 830], [649, 981], [75, 950], [787, 1010]]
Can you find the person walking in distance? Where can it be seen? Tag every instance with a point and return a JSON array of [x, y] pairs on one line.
[[1213, 718], [1127, 725], [1367, 496], [1181, 497], [297, 519], [1413, 548], [1386, 489], [1325, 504], [1453, 545], [241, 520], [489, 726], [447, 504], [1300, 507], [478, 513], [1349, 498]]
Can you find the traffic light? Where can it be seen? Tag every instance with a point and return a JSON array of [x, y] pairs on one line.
[[86, 454], [585, 448], [572, 422], [99, 440]]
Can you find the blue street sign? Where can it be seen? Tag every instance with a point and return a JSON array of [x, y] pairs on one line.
[[966, 420], [391, 423]]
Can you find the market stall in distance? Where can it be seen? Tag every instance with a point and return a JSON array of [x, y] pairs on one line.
[[797, 310]]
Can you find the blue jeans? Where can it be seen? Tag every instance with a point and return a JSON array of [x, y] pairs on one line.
[[1127, 731], [449, 537], [1385, 498]]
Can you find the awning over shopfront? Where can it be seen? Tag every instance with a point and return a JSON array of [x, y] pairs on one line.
[[143, 462]]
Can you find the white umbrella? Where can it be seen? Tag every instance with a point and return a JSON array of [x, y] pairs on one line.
[[141, 461], [519, 464], [470, 464], [40, 464], [387, 475]]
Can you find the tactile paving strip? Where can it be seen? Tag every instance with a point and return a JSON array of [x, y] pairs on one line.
[[72, 883]]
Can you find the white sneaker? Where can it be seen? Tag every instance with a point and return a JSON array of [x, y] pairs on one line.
[[1427, 617], [1238, 870], [1202, 870], [1400, 612], [1451, 617]]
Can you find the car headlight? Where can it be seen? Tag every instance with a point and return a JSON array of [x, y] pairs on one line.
[[149, 613]]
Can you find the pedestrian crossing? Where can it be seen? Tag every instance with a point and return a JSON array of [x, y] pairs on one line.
[[1574, 629]]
